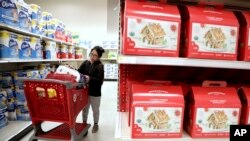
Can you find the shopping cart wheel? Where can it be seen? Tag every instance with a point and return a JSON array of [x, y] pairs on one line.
[[34, 140], [85, 134]]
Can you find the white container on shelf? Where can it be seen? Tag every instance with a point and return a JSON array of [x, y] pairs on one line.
[[25, 50], [36, 48], [9, 45], [50, 50], [64, 52], [9, 13], [24, 17], [71, 51]]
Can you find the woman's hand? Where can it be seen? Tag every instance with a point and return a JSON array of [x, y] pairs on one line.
[[87, 78]]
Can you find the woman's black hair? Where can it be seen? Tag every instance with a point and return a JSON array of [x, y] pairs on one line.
[[99, 50]]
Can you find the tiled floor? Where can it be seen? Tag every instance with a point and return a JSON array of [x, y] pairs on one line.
[[108, 111]]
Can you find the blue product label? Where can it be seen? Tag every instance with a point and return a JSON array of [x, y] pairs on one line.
[[10, 93], [10, 51], [9, 14], [22, 112], [11, 105], [48, 54], [37, 53], [24, 20], [20, 97], [25, 51]]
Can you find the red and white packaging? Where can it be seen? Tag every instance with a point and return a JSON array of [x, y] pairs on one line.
[[151, 28], [64, 52], [71, 51], [211, 109], [157, 111], [58, 51], [209, 33], [244, 39], [244, 94]]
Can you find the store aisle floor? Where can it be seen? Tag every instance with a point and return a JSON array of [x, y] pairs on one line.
[[108, 111]]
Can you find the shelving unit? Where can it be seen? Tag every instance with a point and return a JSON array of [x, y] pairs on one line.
[[16, 127], [187, 62], [23, 32]]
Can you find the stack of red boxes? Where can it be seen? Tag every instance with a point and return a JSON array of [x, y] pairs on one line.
[[244, 94], [151, 28], [244, 39], [209, 33], [211, 109], [156, 111]]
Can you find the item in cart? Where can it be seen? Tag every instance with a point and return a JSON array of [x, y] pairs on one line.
[[51, 93], [71, 51], [36, 48], [40, 92], [22, 113], [244, 94], [24, 13], [244, 39], [209, 33], [157, 111], [50, 50], [211, 109], [146, 34], [25, 50], [9, 43], [64, 51], [66, 70], [3, 121], [9, 13]]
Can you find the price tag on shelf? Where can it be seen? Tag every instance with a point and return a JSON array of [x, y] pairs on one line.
[[128, 60]]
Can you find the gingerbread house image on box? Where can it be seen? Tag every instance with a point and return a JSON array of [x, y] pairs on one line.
[[215, 38], [153, 34], [217, 120], [158, 119]]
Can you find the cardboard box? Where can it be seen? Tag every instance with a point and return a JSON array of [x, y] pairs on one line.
[[244, 94], [244, 39], [157, 111], [151, 28], [211, 110], [209, 33]]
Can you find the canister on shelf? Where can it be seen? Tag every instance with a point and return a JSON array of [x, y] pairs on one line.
[[9, 43], [64, 51], [71, 52], [58, 51], [50, 50], [78, 53]]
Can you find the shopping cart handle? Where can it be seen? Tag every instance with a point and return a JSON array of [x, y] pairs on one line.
[[80, 86]]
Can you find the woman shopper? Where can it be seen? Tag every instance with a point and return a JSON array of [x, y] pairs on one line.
[[93, 72]]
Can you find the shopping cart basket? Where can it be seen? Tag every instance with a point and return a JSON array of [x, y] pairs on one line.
[[58, 98]]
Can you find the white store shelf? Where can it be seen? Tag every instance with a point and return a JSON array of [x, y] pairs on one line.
[[3, 61], [188, 62], [40, 60], [123, 132], [12, 129], [24, 32]]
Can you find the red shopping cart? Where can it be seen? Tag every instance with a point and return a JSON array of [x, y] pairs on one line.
[[58, 98]]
